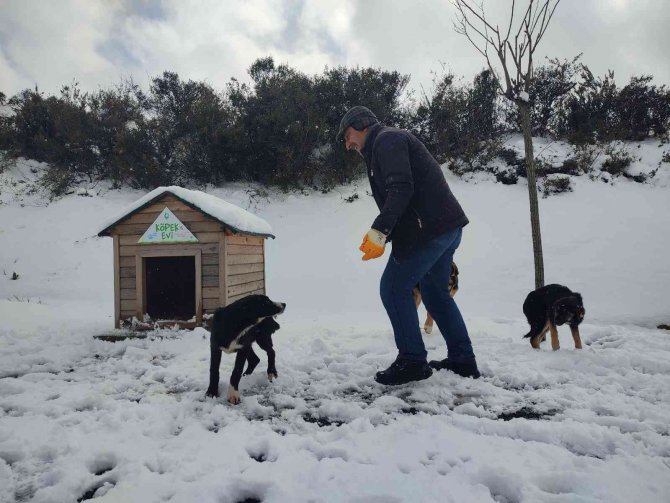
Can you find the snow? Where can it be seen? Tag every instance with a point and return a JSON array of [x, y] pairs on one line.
[[128, 421], [235, 217]]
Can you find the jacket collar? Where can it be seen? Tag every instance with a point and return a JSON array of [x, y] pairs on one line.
[[373, 131]]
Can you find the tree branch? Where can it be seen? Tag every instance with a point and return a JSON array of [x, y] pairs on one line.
[[514, 55]]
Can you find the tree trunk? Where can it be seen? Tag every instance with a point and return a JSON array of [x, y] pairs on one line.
[[524, 111]]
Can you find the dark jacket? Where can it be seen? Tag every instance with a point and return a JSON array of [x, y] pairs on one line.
[[414, 199]]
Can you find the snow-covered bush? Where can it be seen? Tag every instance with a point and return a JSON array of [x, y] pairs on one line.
[[586, 155], [554, 184], [617, 159]]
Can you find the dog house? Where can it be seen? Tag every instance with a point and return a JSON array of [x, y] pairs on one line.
[[179, 254]]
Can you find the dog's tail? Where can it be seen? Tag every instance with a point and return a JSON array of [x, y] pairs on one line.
[[534, 331]]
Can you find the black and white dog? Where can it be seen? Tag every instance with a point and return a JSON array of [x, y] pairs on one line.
[[234, 328]]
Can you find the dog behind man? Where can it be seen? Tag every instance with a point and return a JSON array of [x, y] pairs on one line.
[[453, 288], [549, 307]]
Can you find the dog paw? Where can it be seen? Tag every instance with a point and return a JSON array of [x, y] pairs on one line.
[[272, 376], [212, 393], [233, 396]]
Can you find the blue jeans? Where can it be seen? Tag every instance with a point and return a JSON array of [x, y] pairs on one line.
[[429, 266]]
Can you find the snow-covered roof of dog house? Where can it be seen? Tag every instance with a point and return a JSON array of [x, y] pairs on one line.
[[237, 219], [192, 236]]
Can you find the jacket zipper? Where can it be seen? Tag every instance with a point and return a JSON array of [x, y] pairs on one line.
[[418, 218]]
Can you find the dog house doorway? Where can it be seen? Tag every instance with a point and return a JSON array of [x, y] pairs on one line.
[[170, 287], [169, 284]]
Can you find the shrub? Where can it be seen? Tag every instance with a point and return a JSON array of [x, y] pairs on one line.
[[555, 185], [477, 157], [510, 156], [507, 176], [644, 109], [551, 84], [570, 167], [57, 181], [617, 160], [586, 155]]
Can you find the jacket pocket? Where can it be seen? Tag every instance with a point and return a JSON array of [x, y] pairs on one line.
[[408, 229]]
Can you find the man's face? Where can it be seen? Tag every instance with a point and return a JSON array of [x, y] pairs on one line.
[[354, 140]]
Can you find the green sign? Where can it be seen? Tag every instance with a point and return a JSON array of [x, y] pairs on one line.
[[167, 229]]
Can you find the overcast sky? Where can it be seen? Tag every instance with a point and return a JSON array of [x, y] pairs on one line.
[[50, 43]]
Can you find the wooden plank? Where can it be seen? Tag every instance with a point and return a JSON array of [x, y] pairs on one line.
[[141, 228], [210, 270], [244, 259], [126, 261], [239, 279], [210, 259], [210, 304], [239, 239], [202, 237], [128, 282], [207, 237], [245, 249], [128, 251], [117, 282], [130, 239], [127, 294], [182, 250], [237, 297], [210, 281], [244, 288], [244, 269], [128, 272], [128, 305], [210, 292], [223, 269], [140, 300], [126, 315], [198, 288], [265, 287]]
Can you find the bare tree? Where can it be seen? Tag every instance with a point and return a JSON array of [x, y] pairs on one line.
[[514, 47]]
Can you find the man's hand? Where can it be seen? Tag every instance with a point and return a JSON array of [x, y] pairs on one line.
[[373, 244]]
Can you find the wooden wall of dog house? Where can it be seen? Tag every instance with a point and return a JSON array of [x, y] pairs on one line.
[[245, 265]]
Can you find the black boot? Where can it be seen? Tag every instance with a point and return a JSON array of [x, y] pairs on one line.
[[463, 369], [403, 371]]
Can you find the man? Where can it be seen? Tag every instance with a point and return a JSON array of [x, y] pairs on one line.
[[422, 217]]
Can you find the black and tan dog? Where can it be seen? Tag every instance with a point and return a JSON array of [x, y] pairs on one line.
[[453, 288], [549, 307], [234, 328]]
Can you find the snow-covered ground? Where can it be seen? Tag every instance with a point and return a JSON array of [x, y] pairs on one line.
[[128, 421]]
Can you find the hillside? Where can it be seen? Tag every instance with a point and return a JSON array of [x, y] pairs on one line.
[[128, 421]]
